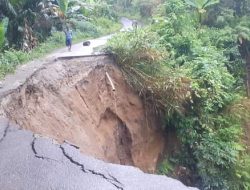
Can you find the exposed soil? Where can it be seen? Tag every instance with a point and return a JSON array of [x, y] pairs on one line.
[[72, 100]]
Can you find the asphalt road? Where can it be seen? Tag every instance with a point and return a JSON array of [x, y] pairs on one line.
[[31, 162], [22, 73], [80, 50]]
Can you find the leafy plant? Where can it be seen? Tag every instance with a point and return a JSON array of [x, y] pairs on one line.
[[165, 167], [63, 4], [201, 5], [243, 172], [106, 26]]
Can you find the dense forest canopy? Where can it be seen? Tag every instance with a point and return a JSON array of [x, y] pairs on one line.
[[190, 63]]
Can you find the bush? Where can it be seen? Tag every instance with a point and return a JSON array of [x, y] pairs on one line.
[[142, 59], [11, 58], [243, 172], [104, 10], [87, 28], [165, 167], [106, 26]]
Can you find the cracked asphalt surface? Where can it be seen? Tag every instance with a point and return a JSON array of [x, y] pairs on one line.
[[29, 161]]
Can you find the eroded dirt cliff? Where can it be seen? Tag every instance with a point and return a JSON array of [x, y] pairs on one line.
[[72, 100]]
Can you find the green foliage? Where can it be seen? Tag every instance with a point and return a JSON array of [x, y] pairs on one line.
[[209, 113], [63, 4], [10, 59], [165, 167], [131, 47], [243, 29], [201, 4], [18, 3], [142, 59], [243, 172], [36, 19], [2, 33], [208, 132], [92, 10], [104, 10], [8, 8], [106, 26], [212, 83], [85, 27]]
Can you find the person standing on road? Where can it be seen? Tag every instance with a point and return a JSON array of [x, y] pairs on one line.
[[68, 35]]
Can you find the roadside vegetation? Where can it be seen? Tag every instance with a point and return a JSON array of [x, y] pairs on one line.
[[189, 66], [31, 29]]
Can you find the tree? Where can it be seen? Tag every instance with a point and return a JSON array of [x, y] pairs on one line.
[[19, 31], [7, 9], [243, 31], [28, 18], [201, 6], [63, 4], [240, 6]]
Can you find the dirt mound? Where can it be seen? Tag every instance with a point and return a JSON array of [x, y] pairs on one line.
[[72, 100]]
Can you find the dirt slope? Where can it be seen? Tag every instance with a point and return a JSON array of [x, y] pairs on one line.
[[72, 100]]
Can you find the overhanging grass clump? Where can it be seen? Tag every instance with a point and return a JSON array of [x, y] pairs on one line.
[[142, 60]]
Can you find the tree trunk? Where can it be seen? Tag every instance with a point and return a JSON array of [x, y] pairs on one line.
[[244, 49]]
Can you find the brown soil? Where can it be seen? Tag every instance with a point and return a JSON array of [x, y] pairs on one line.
[[72, 100]]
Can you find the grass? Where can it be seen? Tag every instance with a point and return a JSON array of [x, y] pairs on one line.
[[10, 59], [106, 26]]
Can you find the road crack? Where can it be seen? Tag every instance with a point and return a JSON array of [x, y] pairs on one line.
[[72, 160], [115, 179], [35, 152], [111, 180], [5, 132]]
